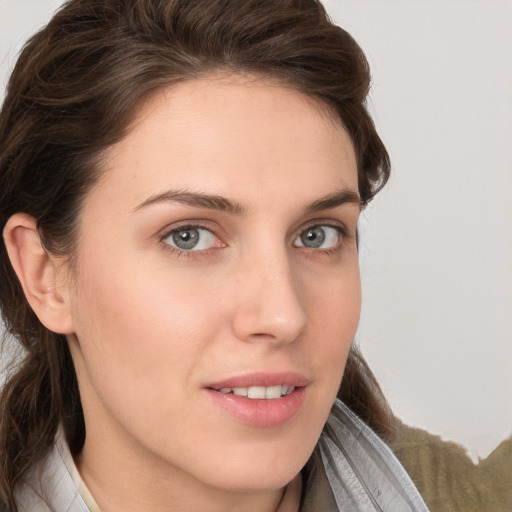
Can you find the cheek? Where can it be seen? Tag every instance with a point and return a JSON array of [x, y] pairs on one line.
[[143, 331], [334, 312]]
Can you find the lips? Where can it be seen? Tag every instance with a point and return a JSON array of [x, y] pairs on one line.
[[260, 399]]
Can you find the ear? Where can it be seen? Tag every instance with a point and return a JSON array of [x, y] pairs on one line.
[[42, 275]]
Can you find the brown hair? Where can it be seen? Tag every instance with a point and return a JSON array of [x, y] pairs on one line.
[[73, 92]]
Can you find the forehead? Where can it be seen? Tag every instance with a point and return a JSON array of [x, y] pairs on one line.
[[231, 135]]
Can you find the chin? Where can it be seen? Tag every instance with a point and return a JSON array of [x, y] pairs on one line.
[[267, 479], [266, 469]]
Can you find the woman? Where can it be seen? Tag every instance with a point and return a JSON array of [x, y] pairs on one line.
[[181, 188]]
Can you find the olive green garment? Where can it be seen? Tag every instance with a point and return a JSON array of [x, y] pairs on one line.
[[448, 479]]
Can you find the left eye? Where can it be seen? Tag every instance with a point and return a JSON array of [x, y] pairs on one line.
[[318, 237], [191, 239]]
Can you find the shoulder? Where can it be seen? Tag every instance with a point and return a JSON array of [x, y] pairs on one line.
[[448, 478]]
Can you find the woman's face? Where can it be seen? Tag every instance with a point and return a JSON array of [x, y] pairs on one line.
[[217, 259]]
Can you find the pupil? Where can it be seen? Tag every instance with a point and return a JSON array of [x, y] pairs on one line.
[[186, 239]]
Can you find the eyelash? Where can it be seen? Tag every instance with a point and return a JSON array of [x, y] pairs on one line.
[[179, 253], [342, 230]]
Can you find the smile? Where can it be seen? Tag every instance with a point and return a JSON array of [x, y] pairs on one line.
[[260, 399], [260, 392]]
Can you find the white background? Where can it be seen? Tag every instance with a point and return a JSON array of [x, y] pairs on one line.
[[437, 244]]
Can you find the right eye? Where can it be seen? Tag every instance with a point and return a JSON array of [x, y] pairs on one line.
[[191, 238]]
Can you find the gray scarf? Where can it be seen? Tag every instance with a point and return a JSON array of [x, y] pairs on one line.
[[352, 470]]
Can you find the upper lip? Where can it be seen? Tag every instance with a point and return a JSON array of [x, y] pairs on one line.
[[263, 379]]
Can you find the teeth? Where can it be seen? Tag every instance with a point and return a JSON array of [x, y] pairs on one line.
[[273, 392], [256, 392], [260, 392]]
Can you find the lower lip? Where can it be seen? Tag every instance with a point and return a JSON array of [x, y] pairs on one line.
[[260, 412]]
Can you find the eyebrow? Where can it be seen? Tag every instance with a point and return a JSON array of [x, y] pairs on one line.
[[213, 202], [335, 199], [216, 202]]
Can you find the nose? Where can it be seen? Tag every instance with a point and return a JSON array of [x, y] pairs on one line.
[[269, 307]]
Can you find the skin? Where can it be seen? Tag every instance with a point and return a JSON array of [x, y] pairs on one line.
[[150, 326]]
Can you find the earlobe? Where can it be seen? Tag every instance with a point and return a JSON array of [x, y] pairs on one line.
[[38, 273]]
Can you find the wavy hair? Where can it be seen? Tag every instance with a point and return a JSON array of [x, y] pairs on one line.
[[73, 92]]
